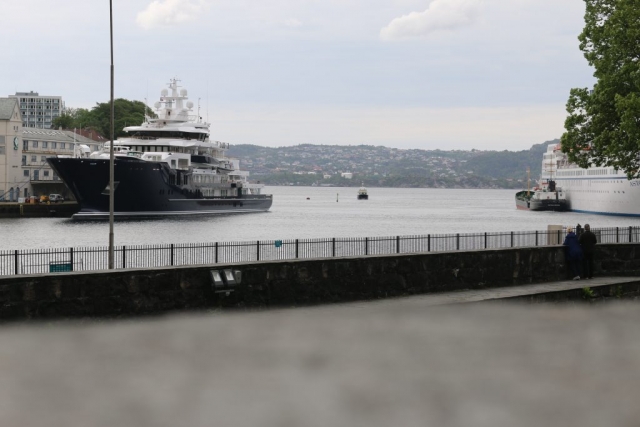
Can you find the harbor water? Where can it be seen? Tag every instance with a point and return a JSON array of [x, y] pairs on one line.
[[308, 212]]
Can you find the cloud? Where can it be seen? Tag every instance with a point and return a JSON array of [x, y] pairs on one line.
[[161, 13], [293, 23], [440, 15]]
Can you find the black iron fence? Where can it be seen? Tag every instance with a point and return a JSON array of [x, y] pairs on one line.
[[38, 261]]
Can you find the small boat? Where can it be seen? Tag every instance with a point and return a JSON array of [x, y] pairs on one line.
[[548, 197], [362, 194]]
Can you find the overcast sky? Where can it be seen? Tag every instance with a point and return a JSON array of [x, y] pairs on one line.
[[448, 74]]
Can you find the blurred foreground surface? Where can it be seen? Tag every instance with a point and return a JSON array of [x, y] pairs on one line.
[[372, 364]]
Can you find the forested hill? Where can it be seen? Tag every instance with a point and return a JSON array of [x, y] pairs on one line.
[[383, 166]]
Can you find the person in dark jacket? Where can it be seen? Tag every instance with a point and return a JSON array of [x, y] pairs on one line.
[[573, 252], [588, 242]]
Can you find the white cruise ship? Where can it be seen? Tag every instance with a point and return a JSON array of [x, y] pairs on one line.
[[598, 190]]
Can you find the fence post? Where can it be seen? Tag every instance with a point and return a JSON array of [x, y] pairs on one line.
[[536, 237], [397, 244], [216, 253], [617, 235], [630, 235], [558, 238], [15, 261], [457, 241], [258, 250], [485, 240], [296, 248], [124, 256], [512, 239], [428, 242], [172, 254], [366, 246], [71, 257], [333, 248]]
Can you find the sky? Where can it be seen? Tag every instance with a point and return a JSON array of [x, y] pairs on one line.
[[428, 74]]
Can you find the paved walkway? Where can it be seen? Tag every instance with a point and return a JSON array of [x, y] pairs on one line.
[[489, 294], [400, 362]]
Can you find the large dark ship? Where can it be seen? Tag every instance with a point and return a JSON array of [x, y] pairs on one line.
[[165, 167]]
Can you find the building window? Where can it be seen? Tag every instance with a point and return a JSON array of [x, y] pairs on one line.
[[44, 144], [46, 173], [35, 144], [24, 160], [53, 145], [25, 172], [25, 145], [43, 159], [34, 159], [62, 145]]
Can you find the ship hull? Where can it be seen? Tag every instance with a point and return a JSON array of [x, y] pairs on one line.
[[605, 195], [143, 190], [533, 204], [549, 205]]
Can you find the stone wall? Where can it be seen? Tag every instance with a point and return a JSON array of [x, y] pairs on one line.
[[293, 283]]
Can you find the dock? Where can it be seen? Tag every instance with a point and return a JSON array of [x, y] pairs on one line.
[[38, 210]]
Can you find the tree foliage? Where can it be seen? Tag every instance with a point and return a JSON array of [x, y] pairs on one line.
[[603, 125], [127, 113]]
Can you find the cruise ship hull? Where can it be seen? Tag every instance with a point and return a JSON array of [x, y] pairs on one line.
[[143, 190], [603, 195]]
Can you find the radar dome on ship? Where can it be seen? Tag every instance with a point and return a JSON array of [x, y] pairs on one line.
[[183, 92], [157, 104], [189, 105], [164, 92]]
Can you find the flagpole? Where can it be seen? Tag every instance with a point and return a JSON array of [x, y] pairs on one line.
[[111, 162]]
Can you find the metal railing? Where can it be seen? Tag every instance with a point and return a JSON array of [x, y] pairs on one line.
[[38, 261]]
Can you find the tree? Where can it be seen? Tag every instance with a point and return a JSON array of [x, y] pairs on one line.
[[64, 121], [603, 125], [127, 113]]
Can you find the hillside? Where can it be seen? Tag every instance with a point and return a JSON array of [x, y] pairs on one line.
[[308, 164]]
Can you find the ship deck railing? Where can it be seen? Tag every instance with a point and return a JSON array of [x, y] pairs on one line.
[[95, 258]]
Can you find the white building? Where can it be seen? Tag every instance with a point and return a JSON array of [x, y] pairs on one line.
[[38, 111], [347, 175], [11, 181]]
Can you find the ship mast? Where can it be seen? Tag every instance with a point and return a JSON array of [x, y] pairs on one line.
[[528, 181]]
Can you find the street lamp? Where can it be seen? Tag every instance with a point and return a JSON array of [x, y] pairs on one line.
[[111, 166]]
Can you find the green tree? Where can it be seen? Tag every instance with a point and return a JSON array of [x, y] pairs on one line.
[[64, 121], [127, 113], [603, 125]]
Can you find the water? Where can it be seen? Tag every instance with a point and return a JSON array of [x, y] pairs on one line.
[[388, 212]]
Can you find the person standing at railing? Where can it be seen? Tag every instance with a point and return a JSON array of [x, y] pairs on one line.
[[588, 242], [573, 253]]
